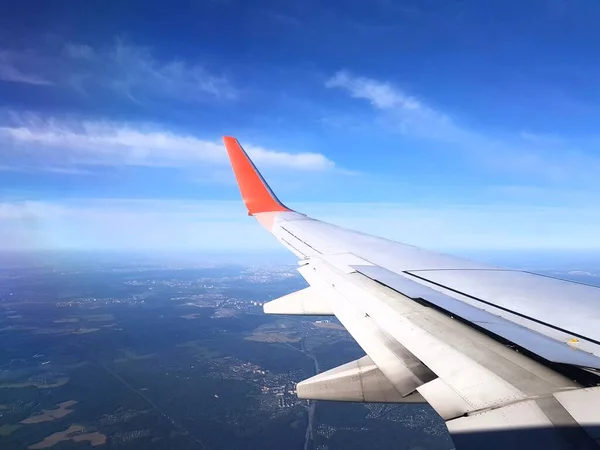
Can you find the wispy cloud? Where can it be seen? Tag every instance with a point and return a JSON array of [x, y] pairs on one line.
[[10, 70], [412, 115], [122, 67], [33, 141], [136, 72], [380, 94], [49, 169], [526, 153]]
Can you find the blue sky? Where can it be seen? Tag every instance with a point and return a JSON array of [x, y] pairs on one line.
[[454, 125]]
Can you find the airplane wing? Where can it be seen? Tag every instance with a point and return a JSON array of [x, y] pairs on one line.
[[508, 358]]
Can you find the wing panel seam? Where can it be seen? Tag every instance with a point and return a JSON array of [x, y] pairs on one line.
[[296, 237], [524, 316], [294, 247]]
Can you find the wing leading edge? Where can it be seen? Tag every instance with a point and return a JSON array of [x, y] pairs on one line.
[[487, 348]]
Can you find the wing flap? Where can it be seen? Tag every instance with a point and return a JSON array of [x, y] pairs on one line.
[[404, 371], [305, 302], [457, 369], [357, 381]]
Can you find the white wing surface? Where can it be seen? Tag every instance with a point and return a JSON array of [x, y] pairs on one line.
[[509, 359]]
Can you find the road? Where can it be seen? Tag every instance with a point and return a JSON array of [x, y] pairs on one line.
[[309, 436]]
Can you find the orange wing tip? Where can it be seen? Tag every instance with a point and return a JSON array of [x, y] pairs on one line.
[[256, 193]]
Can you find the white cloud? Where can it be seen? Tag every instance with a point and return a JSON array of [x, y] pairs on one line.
[[33, 141], [10, 71]]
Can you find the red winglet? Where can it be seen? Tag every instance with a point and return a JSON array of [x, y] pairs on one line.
[[256, 193]]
